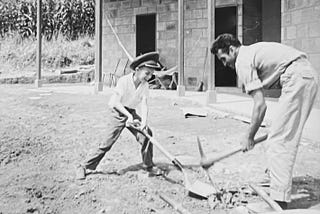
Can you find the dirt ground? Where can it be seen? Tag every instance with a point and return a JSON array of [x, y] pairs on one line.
[[45, 134]]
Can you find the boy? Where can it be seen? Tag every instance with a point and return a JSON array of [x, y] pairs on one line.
[[266, 65], [130, 91]]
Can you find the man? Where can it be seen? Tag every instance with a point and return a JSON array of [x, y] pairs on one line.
[[266, 65], [131, 90]]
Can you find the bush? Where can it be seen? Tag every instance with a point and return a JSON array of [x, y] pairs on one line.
[[19, 55]]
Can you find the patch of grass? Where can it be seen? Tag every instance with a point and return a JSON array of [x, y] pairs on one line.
[[18, 56]]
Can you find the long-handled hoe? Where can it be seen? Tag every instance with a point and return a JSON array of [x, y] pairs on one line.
[[198, 188]]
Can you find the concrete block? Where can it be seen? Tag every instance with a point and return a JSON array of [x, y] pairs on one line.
[[204, 13], [165, 35], [171, 25], [291, 32], [190, 24], [161, 43], [286, 19], [314, 29], [197, 14], [201, 4], [173, 16], [289, 43], [314, 59], [191, 4], [202, 23], [152, 9], [125, 29], [188, 15], [125, 12], [192, 81], [164, 17], [172, 43], [126, 4], [298, 44], [302, 31], [173, 7], [161, 26], [149, 3], [311, 45], [308, 15], [196, 33], [225, 2], [317, 12], [135, 3], [140, 10], [187, 34], [161, 8]]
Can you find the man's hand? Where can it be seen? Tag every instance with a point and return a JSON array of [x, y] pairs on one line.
[[247, 144]]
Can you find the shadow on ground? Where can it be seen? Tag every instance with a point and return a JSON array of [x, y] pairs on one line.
[[305, 192]]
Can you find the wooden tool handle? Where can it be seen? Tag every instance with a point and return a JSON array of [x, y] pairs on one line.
[[266, 198], [210, 161], [174, 160]]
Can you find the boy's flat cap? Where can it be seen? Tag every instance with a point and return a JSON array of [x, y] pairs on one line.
[[150, 60]]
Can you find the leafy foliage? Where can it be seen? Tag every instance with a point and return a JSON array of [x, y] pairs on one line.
[[70, 18]]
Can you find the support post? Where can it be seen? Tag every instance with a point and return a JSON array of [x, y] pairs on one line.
[[37, 81], [181, 86], [98, 84], [211, 96]]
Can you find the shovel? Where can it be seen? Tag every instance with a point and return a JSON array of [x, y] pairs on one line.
[[198, 188]]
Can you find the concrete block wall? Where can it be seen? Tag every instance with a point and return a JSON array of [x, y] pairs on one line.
[[122, 15], [301, 29]]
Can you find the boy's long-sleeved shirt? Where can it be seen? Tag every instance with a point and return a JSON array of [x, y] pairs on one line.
[[130, 96], [260, 65]]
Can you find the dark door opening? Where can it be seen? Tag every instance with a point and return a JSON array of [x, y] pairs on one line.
[[145, 33], [226, 22], [271, 20]]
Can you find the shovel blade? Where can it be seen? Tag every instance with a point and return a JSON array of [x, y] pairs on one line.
[[201, 190]]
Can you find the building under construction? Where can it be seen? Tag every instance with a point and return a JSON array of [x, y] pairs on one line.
[[152, 25]]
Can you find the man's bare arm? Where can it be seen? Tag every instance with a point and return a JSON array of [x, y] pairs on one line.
[[258, 113]]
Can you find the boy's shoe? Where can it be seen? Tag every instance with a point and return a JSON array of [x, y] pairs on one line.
[[80, 173], [154, 171]]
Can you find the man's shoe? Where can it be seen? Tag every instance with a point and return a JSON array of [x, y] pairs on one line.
[[80, 173], [282, 204]]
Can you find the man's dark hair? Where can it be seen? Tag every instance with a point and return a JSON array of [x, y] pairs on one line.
[[223, 42]]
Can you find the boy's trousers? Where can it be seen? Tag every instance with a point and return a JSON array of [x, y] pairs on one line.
[[117, 124], [299, 89]]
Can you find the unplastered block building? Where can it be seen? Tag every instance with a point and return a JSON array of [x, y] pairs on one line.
[[152, 25]]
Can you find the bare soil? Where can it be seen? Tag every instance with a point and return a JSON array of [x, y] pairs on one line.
[[45, 134]]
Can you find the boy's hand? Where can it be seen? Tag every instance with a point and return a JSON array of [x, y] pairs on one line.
[[129, 121], [143, 126]]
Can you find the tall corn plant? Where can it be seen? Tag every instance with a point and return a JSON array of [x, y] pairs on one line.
[[70, 18]]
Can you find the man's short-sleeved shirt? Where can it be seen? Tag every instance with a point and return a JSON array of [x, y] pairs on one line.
[[256, 63], [130, 96]]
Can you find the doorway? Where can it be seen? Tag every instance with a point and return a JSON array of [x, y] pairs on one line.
[[145, 33], [226, 22]]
